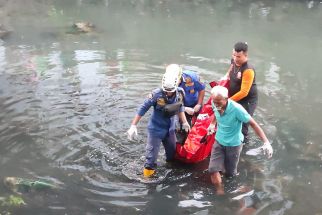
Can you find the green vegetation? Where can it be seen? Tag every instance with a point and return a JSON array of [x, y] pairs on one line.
[[12, 200]]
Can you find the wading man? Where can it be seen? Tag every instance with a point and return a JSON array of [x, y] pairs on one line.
[[229, 116]]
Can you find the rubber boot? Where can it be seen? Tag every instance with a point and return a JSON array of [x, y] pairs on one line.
[[148, 172]]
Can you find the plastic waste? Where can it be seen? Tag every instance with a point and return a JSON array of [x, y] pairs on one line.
[[26, 185]]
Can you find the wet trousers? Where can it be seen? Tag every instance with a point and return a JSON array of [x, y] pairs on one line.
[[250, 107], [153, 147]]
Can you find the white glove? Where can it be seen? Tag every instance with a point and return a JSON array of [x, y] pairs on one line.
[[130, 133], [211, 129], [197, 108], [267, 149], [189, 110], [186, 127]]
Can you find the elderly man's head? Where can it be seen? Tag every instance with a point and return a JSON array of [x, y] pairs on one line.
[[219, 96]]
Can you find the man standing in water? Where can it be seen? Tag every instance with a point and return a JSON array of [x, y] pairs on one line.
[[167, 102], [225, 153], [242, 88]]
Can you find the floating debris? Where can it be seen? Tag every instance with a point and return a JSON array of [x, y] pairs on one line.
[[21, 185], [83, 27]]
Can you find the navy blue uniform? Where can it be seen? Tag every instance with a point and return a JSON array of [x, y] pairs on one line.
[[161, 127]]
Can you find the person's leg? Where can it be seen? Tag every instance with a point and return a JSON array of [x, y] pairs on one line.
[[151, 154], [250, 107], [181, 134], [189, 118], [169, 144], [216, 165], [232, 159], [217, 181]]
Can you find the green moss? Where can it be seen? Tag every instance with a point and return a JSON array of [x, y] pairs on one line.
[[12, 201]]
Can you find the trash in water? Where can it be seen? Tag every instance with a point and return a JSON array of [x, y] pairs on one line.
[[22, 185]]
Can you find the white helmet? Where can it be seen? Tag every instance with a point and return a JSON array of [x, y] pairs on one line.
[[171, 78]]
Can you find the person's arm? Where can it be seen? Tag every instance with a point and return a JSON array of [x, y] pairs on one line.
[[200, 87], [247, 81], [136, 119], [133, 130], [258, 130], [214, 120], [141, 111], [183, 119], [226, 76], [201, 96], [267, 147], [212, 126]]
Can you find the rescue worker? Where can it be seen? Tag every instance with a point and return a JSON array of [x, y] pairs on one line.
[[167, 102], [225, 153], [194, 93], [242, 88]]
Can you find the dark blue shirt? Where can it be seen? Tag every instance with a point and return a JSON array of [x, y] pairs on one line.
[[192, 86], [159, 124]]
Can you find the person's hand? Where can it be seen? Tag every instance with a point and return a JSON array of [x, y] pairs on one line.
[[197, 108], [211, 129], [186, 127], [267, 149], [225, 77], [130, 133], [189, 110]]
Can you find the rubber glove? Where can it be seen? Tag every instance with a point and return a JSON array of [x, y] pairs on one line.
[[186, 127], [267, 149], [211, 129], [130, 133], [197, 108], [189, 110]]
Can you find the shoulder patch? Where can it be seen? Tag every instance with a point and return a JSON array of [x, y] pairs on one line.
[[153, 93], [150, 95]]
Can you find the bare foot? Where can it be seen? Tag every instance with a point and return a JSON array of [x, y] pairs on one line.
[[220, 191]]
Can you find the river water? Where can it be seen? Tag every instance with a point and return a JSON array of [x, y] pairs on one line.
[[66, 100]]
